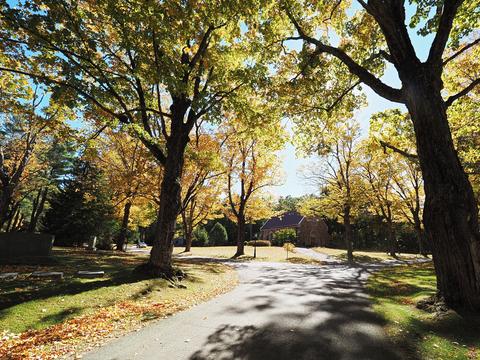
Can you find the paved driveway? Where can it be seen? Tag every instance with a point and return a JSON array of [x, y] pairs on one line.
[[279, 311]]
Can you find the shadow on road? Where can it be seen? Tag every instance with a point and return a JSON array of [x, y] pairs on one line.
[[310, 313]]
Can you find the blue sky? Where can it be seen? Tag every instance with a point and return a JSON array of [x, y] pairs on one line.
[[293, 184]]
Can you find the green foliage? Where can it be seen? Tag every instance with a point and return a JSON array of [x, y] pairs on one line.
[[81, 209], [200, 237], [218, 235], [283, 236], [288, 203]]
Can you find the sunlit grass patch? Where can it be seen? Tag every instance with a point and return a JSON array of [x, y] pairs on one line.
[[58, 316], [264, 253], [364, 256], [395, 292]]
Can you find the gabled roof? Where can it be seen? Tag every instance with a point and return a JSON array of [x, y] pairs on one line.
[[289, 219]]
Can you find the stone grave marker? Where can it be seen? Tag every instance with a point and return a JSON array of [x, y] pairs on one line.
[[90, 274]]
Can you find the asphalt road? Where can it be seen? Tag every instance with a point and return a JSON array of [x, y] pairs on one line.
[[279, 311]]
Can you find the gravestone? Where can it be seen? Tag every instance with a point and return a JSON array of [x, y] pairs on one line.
[[92, 244], [90, 274], [48, 274], [8, 276], [24, 244]]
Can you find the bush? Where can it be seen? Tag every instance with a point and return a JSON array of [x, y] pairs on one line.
[[218, 235], [200, 237], [283, 236], [289, 247], [259, 243]]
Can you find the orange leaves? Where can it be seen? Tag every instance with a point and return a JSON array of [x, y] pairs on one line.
[[81, 333]]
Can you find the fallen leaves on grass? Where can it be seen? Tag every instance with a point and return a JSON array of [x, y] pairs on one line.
[[83, 332]]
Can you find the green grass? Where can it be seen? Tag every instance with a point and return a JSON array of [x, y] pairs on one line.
[[422, 335], [28, 303], [363, 256], [264, 253]]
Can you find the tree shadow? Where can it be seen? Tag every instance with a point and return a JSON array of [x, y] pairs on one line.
[[309, 313]]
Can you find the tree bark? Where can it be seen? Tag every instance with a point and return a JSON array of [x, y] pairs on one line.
[[392, 242], [122, 237], [160, 262], [5, 200], [187, 232], [419, 234], [348, 233], [240, 236], [450, 214], [37, 209]]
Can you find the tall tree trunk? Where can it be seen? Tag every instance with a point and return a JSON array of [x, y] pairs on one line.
[[11, 217], [5, 200], [419, 234], [16, 220], [240, 235], [392, 242], [37, 210], [348, 233], [450, 214], [122, 237], [160, 262], [187, 232]]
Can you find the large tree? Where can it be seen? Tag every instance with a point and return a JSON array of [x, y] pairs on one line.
[[371, 34], [160, 67]]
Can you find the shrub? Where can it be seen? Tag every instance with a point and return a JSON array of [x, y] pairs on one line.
[[200, 237], [259, 243], [283, 236], [289, 247], [218, 235]]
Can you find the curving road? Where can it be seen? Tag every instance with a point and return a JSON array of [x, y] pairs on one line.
[[279, 311]]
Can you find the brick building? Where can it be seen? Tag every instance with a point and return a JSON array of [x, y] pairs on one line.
[[310, 231]]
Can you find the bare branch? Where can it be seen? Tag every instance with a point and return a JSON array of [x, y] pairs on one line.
[[449, 10], [397, 150], [382, 89], [461, 51], [464, 92]]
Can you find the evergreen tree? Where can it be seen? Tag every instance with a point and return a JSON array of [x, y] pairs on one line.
[[218, 235], [82, 208]]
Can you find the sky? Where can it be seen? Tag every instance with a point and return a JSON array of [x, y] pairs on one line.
[[293, 184]]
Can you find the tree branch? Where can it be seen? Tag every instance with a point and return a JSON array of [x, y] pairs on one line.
[[464, 92], [397, 150], [449, 11], [463, 49], [382, 89]]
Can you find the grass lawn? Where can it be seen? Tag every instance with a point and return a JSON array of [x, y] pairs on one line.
[[363, 256], [396, 290], [264, 253], [56, 316]]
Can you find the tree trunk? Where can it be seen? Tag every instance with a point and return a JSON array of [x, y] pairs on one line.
[[450, 214], [392, 242], [187, 233], [37, 209], [419, 234], [11, 217], [5, 200], [122, 237], [348, 233], [240, 236], [160, 262]]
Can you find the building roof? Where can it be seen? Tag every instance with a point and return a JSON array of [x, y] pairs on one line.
[[287, 220]]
